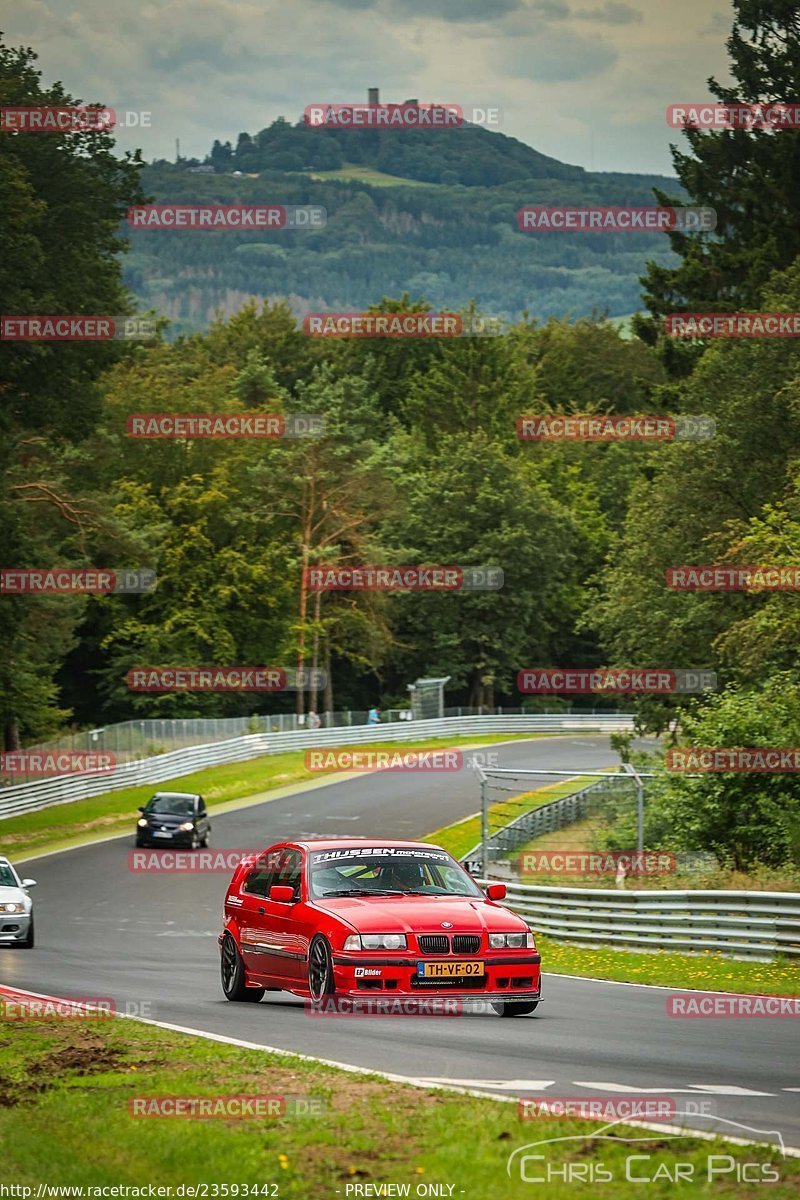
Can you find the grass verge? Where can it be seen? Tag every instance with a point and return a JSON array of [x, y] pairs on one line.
[[115, 812], [704, 971], [66, 1089]]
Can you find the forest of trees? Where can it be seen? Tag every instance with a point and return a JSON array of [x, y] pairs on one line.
[[420, 463], [450, 242]]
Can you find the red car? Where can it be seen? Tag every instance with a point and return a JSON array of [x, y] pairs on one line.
[[354, 917]]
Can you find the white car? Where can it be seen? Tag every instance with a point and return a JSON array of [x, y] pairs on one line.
[[16, 908]]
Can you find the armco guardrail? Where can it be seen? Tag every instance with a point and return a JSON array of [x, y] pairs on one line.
[[28, 797], [740, 924]]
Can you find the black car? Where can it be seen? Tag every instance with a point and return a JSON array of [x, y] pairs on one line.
[[173, 819]]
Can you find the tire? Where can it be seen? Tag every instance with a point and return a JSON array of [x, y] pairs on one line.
[[28, 943], [204, 843], [320, 970], [232, 974], [195, 843], [521, 1009]]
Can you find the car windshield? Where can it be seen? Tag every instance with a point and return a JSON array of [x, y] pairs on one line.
[[179, 806], [7, 877], [388, 871]]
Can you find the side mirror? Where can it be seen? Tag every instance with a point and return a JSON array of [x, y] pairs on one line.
[[26, 883], [496, 891], [281, 894], [141, 808]]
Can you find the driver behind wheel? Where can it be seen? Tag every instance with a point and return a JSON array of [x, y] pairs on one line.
[[403, 876]]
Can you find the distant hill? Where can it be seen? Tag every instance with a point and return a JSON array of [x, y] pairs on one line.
[[467, 154], [430, 212]]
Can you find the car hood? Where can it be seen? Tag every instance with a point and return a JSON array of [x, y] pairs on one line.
[[12, 895], [422, 914], [171, 820]]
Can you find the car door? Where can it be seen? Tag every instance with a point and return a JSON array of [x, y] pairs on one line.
[[254, 937], [203, 822], [281, 930]]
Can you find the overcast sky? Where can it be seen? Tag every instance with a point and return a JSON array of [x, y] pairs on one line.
[[586, 81]]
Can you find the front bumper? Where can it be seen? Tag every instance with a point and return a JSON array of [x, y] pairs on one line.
[[508, 977], [14, 927], [145, 837]]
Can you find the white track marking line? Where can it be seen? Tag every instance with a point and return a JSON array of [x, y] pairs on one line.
[[530, 1085], [790, 1151], [691, 1089]]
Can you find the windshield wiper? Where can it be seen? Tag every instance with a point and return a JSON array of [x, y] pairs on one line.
[[362, 892]]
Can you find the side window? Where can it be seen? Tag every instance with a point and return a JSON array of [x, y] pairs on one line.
[[288, 873], [259, 881]]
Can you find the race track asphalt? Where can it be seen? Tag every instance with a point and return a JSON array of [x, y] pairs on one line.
[[149, 941]]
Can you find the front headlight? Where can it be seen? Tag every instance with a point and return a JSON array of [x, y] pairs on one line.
[[12, 908], [186, 827], [376, 941], [512, 941], [141, 822]]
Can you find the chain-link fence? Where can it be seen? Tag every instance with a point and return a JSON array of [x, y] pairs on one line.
[[129, 741], [515, 812]]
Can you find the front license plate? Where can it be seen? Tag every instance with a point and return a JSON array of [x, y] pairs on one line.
[[449, 970], [159, 834]]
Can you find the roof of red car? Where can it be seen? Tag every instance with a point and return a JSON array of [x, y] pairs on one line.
[[337, 843]]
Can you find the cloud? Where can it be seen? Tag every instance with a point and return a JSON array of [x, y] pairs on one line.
[[461, 11], [610, 14], [557, 56]]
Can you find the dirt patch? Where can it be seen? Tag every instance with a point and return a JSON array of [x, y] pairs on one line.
[[84, 1059]]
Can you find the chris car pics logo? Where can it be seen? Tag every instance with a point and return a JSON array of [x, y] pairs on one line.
[[648, 1157]]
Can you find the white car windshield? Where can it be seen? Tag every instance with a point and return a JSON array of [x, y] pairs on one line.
[[388, 871]]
